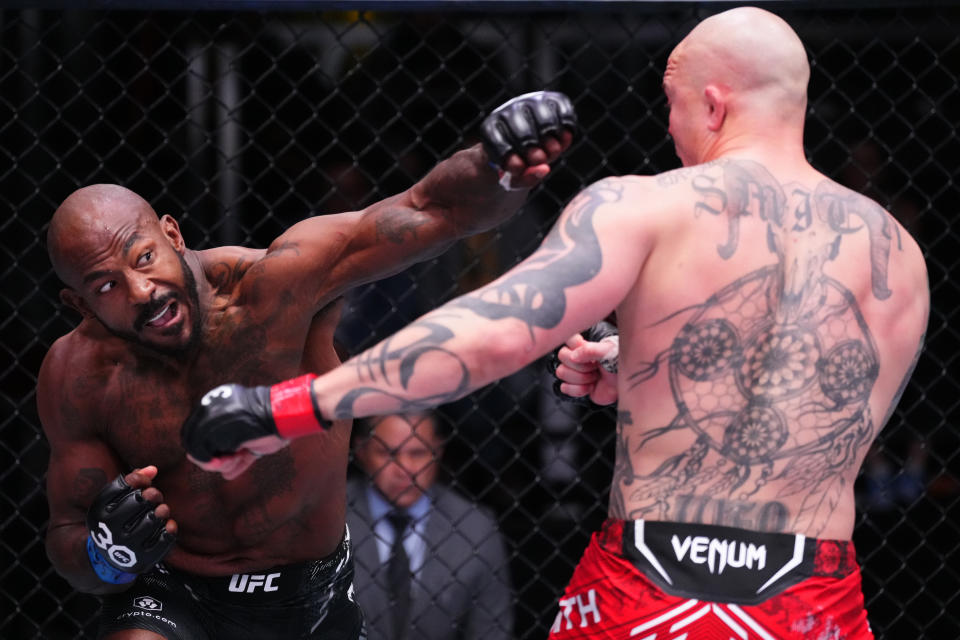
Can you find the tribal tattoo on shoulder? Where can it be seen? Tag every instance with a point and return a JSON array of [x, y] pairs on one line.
[[771, 375], [535, 293]]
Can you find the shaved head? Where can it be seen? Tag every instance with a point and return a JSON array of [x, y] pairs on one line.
[[89, 216], [126, 268], [751, 52]]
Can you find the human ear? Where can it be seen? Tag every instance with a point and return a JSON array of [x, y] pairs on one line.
[[716, 106], [172, 232], [76, 302]]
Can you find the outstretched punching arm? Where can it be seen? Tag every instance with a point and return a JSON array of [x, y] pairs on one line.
[[582, 270], [474, 190]]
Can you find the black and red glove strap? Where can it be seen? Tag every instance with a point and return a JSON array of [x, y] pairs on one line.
[[295, 410]]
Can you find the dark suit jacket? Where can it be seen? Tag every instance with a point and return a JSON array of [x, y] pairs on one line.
[[463, 589]]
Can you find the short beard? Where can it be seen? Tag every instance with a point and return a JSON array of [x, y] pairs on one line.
[[196, 318]]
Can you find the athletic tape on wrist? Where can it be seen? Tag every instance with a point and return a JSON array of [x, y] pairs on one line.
[[104, 570], [295, 410], [611, 362], [506, 182]]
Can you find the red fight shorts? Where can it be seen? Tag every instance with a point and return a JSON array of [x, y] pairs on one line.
[[670, 581]]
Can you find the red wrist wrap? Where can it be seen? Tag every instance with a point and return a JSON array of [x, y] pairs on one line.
[[293, 409]]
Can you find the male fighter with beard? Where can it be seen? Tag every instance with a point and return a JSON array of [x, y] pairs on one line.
[[266, 555]]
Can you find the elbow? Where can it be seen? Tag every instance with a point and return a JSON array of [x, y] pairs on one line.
[[502, 351]]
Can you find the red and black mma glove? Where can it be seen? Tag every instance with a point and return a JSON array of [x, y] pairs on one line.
[[524, 122], [126, 536], [231, 415]]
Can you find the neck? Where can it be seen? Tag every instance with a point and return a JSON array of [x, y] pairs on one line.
[[769, 150], [204, 290]]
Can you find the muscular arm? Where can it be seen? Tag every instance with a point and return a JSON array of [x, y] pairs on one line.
[[321, 257], [80, 465], [583, 269]]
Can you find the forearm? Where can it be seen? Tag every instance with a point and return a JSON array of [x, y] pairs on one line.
[[464, 192], [67, 549], [440, 358]]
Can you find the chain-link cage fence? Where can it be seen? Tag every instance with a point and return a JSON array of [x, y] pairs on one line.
[[240, 124]]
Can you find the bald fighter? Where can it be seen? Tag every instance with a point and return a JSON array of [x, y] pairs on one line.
[[768, 320], [177, 552]]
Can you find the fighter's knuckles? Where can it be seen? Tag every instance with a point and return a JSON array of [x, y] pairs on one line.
[[152, 494], [575, 369], [525, 122], [137, 480], [603, 396], [574, 341], [535, 156], [514, 164], [553, 148], [574, 390]]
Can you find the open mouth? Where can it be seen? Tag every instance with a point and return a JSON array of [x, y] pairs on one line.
[[167, 315]]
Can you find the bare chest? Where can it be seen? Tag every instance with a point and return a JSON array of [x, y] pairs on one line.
[[146, 401]]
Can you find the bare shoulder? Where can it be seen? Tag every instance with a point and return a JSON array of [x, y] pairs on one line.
[[224, 267], [846, 211], [640, 201], [73, 374], [618, 192]]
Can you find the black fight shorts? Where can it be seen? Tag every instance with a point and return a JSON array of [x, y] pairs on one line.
[[307, 600]]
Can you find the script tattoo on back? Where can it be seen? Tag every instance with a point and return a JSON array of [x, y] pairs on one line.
[[534, 293], [771, 375]]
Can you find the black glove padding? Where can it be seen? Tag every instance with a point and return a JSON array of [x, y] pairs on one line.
[[524, 121], [599, 331], [124, 527], [227, 417]]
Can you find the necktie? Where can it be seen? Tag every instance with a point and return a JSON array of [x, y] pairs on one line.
[[398, 575]]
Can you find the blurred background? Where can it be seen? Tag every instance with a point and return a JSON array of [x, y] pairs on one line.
[[241, 122]]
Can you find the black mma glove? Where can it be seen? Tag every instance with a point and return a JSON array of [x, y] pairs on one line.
[[596, 333], [231, 414], [599, 332], [126, 536], [523, 122]]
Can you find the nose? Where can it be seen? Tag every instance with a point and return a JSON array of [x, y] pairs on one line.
[[397, 469], [140, 288]]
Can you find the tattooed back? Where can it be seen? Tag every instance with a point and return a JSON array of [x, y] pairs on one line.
[[769, 335]]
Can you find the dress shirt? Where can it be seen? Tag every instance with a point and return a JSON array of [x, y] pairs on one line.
[[415, 542]]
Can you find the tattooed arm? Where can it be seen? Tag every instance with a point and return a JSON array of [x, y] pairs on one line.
[[583, 269], [581, 272]]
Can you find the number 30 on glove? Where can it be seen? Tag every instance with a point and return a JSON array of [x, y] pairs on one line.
[[126, 536]]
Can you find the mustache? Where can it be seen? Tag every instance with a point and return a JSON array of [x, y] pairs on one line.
[[151, 309]]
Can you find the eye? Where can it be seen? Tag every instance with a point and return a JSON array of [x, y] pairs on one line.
[[145, 258], [106, 286]]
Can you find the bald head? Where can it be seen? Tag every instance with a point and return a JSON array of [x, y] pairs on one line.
[[751, 52], [91, 216]]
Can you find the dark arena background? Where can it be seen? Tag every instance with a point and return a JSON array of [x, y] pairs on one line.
[[241, 118]]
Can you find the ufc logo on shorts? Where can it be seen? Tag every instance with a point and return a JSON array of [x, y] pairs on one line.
[[244, 583]]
